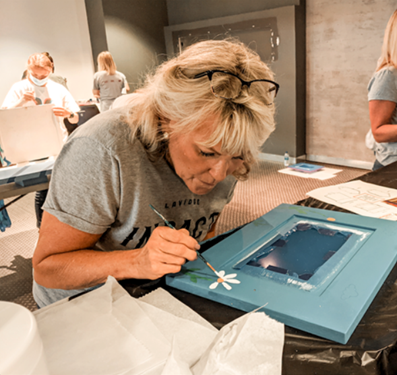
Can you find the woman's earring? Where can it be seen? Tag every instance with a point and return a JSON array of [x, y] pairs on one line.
[[165, 135]]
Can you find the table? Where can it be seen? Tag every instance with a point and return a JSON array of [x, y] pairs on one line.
[[13, 190], [17, 181], [372, 349]]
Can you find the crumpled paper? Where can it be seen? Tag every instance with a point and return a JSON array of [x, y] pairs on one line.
[[250, 345], [96, 334], [106, 331]]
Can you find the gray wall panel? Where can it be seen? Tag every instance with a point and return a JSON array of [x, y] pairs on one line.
[[184, 11]]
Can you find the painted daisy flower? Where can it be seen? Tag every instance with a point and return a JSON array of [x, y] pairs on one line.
[[224, 280]]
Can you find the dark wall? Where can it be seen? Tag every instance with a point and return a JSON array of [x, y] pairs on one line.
[[184, 11], [96, 26], [135, 35]]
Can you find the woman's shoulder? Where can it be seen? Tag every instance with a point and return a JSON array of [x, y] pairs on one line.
[[387, 72], [384, 80], [101, 73], [120, 74], [110, 129], [23, 84], [53, 85]]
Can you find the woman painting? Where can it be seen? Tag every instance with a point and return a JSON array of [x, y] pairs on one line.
[[180, 144]]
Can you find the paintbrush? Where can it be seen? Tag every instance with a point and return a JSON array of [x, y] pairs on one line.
[[172, 227]]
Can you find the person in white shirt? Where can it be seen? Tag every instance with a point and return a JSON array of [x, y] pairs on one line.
[[55, 77], [38, 89]]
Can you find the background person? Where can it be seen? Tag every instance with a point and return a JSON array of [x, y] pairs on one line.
[[108, 82], [54, 77], [382, 96], [182, 142], [37, 89]]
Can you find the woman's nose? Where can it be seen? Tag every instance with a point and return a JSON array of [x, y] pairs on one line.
[[219, 171]]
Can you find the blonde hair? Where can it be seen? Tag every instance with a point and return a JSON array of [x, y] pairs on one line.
[[39, 60], [172, 94], [388, 56], [106, 62], [51, 59]]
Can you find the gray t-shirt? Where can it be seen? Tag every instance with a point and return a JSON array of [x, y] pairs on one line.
[[383, 86], [103, 183], [110, 87]]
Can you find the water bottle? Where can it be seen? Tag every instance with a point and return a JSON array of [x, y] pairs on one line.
[[286, 159]]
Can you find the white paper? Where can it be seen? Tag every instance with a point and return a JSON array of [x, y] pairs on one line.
[[190, 337], [89, 335], [163, 300], [106, 331], [323, 174], [360, 197], [29, 133], [176, 364], [252, 344]]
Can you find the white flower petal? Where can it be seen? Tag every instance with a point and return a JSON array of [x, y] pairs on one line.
[[214, 285], [233, 281], [221, 274], [231, 276], [227, 286]]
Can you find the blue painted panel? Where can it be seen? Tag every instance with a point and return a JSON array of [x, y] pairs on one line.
[[331, 302]]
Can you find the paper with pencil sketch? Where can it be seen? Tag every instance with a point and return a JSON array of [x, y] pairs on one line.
[[361, 198]]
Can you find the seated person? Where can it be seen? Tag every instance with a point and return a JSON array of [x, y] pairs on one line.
[[182, 142], [38, 89], [55, 77]]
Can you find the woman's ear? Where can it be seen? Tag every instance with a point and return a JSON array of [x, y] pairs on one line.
[[166, 127]]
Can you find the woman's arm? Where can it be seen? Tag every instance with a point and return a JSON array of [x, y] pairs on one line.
[[64, 257], [380, 114], [73, 117], [96, 93]]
